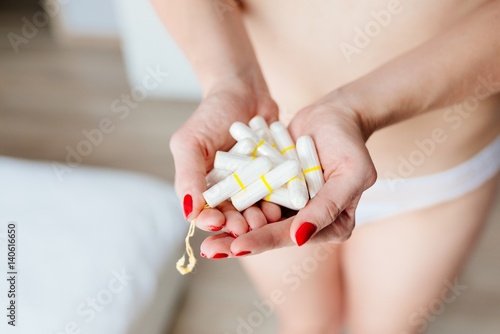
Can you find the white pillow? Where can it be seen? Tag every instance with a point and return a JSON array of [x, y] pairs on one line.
[[90, 249]]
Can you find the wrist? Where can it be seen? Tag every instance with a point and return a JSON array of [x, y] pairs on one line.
[[351, 106], [372, 105], [247, 81]]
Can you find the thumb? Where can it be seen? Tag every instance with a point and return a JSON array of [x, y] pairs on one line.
[[336, 195], [190, 171]]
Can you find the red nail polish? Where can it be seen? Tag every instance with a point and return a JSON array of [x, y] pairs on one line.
[[188, 205], [243, 253], [234, 235], [304, 233], [202, 254], [219, 256], [214, 228]]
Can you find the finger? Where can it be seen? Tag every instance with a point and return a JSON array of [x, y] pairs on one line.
[[268, 109], [211, 220], [190, 171], [271, 211], [340, 230], [217, 246], [335, 195], [235, 223], [277, 235], [270, 236], [254, 217]]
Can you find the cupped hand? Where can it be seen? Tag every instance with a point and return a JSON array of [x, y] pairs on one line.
[[348, 170], [194, 146]]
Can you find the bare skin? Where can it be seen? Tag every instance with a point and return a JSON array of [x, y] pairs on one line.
[[398, 89], [383, 279], [302, 61]]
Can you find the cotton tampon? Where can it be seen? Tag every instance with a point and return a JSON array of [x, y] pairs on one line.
[[311, 167], [259, 126], [297, 187], [240, 131], [281, 196], [283, 140], [257, 122], [265, 185], [237, 181], [263, 148], [215, 176], [230, 161], [245, 147]]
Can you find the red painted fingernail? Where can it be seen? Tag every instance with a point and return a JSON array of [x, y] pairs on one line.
[[234, 235], [304, 233], [219, 256], [202, 254], [188, 205], [243, 253], [214, 228]]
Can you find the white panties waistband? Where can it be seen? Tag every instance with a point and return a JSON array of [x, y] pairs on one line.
[[390, 197]]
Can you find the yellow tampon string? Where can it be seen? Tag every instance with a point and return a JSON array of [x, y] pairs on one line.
[[283, 151], [312, 169], [297, 178], [237, 178], [254, 153], [181, 265], [268, 186]]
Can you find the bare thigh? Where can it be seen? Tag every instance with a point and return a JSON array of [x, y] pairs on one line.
[[397, 270], [306, 286]]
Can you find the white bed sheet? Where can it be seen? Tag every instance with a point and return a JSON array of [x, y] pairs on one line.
[[93, 251]]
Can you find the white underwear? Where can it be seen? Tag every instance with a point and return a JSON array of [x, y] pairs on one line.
[[387, 197]]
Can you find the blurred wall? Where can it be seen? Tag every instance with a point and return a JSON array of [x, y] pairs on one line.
[[146, 45], [87, 17]]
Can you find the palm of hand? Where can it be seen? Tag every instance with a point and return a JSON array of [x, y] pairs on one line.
[[348, 170]]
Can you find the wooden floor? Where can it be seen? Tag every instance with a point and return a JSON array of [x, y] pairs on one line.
[[50, 93]]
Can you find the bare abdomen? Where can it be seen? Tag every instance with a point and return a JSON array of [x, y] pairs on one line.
[[308, 48]]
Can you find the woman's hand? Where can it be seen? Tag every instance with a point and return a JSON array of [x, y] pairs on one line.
[[340, 140], [222, 56], [348, 169], [195, 143], [420, 80]]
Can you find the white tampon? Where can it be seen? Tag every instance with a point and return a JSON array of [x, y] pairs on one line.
[[265, 185], [299, 195], [297, 186], [237, 181], [224, 165], [311, 167], [259, 126], [240, 131], [216, 175], [257, 122], [281, 196], [245, 147], [263, 148], [285, 143], [230, 161]]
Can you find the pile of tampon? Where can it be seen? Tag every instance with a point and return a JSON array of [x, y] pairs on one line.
[[265, 164]]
